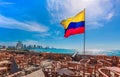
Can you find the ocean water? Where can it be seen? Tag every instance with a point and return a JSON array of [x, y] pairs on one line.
[[111, 52], [71, 51], [53, 50], [106, 52]]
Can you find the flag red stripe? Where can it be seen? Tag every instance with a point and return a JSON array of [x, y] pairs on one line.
[[73, 31]]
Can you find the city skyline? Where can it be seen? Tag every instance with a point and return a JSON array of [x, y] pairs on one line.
[[24, 46], [36, 22]]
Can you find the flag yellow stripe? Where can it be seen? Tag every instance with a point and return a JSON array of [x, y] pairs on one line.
[[77, 18]]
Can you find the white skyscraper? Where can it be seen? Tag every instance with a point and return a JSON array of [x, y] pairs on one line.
[[19, 45]]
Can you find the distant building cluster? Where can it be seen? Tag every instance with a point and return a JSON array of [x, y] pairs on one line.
[[2, 47], [19, 46]]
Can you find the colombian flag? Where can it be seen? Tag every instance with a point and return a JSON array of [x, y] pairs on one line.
[[74, 25]]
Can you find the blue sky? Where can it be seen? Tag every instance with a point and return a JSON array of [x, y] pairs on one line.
[[38, 22]]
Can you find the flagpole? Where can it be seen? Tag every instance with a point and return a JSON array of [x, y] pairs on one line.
[[84, 37]]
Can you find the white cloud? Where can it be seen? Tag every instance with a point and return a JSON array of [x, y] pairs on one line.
[[6, 3], [110, 15], [57, 32], [96, 10], [11, 23], [43, 35]]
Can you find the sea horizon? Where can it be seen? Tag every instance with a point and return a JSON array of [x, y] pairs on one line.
[[80, 52]]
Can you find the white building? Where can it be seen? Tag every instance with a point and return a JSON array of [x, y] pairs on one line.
[[19, 45]]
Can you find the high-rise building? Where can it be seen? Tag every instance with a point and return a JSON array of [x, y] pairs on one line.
[[24, 46], [34, 46], [19, 45], [3, 48], [0, 46], [29, 46]]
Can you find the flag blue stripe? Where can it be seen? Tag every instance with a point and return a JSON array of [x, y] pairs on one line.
[[76, 25]]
